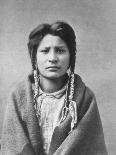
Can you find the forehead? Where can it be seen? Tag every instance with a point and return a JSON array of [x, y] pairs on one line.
[[50, 40]]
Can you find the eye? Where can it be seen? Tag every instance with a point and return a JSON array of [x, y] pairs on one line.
[[60, 50], [44, 51]]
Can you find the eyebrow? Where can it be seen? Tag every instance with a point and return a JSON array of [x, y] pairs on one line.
[[47, 47], [60, 46]]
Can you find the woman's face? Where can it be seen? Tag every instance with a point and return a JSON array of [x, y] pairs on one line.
[[53, 57]]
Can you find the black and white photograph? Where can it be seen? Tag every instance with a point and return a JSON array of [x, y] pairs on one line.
[[57, 77]]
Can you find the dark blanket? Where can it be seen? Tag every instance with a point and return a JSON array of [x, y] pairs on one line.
[[21, 132]]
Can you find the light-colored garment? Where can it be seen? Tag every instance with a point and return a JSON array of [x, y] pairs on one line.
[[51, 105]]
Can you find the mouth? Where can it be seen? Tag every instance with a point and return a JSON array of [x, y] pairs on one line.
[[53, 67]]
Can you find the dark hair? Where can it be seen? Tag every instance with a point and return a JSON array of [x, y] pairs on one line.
[[59, 28]]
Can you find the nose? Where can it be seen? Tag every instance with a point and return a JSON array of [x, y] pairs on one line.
[[53, 56]]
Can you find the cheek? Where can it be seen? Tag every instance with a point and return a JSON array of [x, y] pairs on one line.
[[39, 62], [40, 58], [66, 61]]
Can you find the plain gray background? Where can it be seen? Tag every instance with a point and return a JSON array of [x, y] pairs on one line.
[[94, 22]]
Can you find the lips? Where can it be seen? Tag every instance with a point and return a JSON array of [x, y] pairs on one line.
[[53, 67]]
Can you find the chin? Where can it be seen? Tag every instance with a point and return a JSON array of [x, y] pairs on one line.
[[57, 77], [54, 76]]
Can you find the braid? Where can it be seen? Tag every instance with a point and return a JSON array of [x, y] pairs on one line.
[[69, 95], [33, 52], [71, 88]]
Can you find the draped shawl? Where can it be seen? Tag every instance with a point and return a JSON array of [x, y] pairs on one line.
[[21, 132]]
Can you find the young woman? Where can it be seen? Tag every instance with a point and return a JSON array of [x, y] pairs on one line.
[[52, 112]]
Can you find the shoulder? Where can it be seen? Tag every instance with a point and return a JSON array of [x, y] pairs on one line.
[[89, 94], [19, 92], [81, 88], [19, 99], [21, 87], [84, 97]]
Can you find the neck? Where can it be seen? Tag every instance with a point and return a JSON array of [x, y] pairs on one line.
[[52, 85]]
